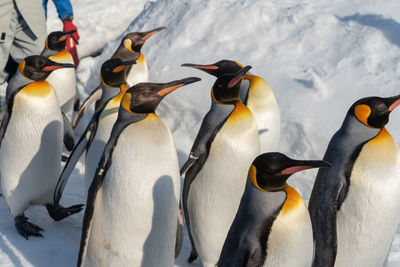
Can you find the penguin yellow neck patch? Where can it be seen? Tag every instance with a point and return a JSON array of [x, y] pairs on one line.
[[293, 199], [362, 113], [239, 112], [37, 89]]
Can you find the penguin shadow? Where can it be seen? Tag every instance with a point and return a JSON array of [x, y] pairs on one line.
[[161, 190], [182, 157], [388, 26]]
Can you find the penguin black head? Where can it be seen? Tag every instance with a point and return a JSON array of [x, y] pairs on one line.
[[38, 68], [374, 111], [113, 72], [270, 171], [219, 68], [145, 97], [226, 88], [56, 40], [135, 40]]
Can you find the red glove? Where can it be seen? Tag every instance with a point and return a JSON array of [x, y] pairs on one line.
[[69, 26]]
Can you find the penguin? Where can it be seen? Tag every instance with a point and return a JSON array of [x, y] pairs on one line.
[[62, 80], [94, 138], [129, 49], [219, 159], [38, 68], [132, 207], [258, 96], [31, 136], [354, 204], [272, 226]]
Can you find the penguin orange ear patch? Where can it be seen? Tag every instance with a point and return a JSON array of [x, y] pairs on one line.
[[128, 44], [253, 177], [126, 102], [21, 66], [362, 113]]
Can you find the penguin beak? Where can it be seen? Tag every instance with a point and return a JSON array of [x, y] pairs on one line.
[[148, 34], [124, 65], [392, 102], [299, 165], [239, 76], [51, 65], [200, 67], [172, 86], [66, 35]]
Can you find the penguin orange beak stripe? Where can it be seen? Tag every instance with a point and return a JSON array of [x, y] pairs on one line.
[[170, 89], [51, 68], [394, 105], [119, 68], [147, 36], [206, 67], [238, 77], [295, 169]]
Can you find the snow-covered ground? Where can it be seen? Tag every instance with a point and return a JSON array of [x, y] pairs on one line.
[[318, 56]]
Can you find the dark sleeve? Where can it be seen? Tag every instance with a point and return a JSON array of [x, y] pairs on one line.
[[64, 8]]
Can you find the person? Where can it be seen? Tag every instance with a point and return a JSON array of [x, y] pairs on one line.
[[23, 30]]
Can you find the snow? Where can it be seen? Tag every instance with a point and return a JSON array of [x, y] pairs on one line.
[[318, 57]]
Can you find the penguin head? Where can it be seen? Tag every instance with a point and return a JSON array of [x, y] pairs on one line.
[[135, 40], [226, 88], [38, 68], [113, 72], [374, 111], [269, 171], [56, 40], [145, 97], [219, 68]]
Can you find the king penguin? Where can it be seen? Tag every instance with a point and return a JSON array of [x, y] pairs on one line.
[[31, 136], [94, 138], [272, 226], [132, 207], [217, 166], [38, 68], [258, 96], [129, 49], [354, 205], [62, 80]]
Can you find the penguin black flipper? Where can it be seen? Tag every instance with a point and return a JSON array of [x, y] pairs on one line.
[[94, 96], [74, 157], [69, 135], [6, 110], [331, 187], [249, 247], [212, 123], [104, 164]]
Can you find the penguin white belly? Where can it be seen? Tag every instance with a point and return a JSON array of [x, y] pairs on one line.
[[96, 148], [262, 103], [64, 83], [138, 72], [136, 209], [30, 151], [290, 242], [369, 215], [215, 193]]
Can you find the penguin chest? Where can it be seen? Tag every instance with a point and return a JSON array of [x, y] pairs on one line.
[[104, 128], [290, 241], [262, 103], [138, 72], [215, 193], [136, 209], [369, 215], [64, 83], [30, 151]]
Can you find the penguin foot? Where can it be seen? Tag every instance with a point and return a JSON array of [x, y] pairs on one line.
[[64, 158], [58, 212], [26, 228], [193, 256], [77, 104]]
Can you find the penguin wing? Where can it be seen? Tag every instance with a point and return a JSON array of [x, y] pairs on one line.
[[212, 123], [69, 135], [328, 194], [94, 96], [74, 157]]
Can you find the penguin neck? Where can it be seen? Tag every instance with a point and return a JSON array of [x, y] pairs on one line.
[[353, 129], [126, 118], [16, 82], [107, 94], [47, 52]]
